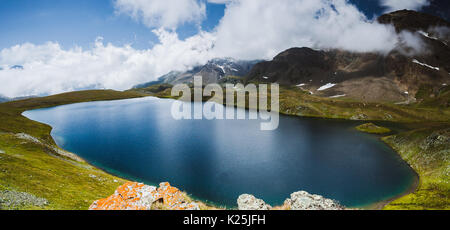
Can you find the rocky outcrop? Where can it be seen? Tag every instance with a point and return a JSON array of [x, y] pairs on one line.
[[298, 201], [249, 202], [305, 201], [138, 196]]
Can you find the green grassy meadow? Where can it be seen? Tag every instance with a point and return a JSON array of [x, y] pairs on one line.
[[34, 175]]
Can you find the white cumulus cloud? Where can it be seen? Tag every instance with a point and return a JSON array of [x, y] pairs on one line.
[[50, 69], [263, 28], [163, 13]]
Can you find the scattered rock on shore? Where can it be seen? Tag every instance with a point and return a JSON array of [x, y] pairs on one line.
[[249, 202]]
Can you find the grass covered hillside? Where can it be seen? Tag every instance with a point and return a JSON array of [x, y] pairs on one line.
[[297, 102], [427, 151], [34, 173]]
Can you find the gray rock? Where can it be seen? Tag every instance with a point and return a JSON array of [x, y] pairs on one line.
[[305, 201], [147, 196], [388, 116], [359, 117], [16, 200], [437, 139], [55, 150], [2, 152], [27, 137], [249, 202]]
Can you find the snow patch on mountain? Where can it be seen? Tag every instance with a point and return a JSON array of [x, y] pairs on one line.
[[338, 96], [427, 35], [325, 87], [426, 65]]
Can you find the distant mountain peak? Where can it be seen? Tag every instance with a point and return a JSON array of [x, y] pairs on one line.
[[214, 71]]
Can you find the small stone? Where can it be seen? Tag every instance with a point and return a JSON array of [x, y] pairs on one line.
[[317, 197]]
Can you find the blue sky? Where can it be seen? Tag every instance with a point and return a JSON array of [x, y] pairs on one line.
[[80, 22]]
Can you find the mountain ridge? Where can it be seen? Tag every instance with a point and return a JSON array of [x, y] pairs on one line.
[[372, 77], [214, 71]]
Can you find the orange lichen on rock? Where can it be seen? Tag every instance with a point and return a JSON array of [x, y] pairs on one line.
[[137, 196], [174, 199]]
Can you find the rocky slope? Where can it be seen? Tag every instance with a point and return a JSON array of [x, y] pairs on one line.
[[218, 70], [372, 77]]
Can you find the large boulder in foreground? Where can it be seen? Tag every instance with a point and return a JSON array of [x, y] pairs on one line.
[[305, 201], [249, 202], [137, 196], [298, 201]]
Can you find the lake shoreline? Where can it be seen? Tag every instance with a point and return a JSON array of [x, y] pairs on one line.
[[381, 204], [377, 205]]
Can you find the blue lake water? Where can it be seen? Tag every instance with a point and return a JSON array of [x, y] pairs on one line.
[[218, 160]]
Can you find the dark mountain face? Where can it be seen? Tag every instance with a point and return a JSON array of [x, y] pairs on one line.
[[295, 66], [412, 20], [215, 71], [395, 77]]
